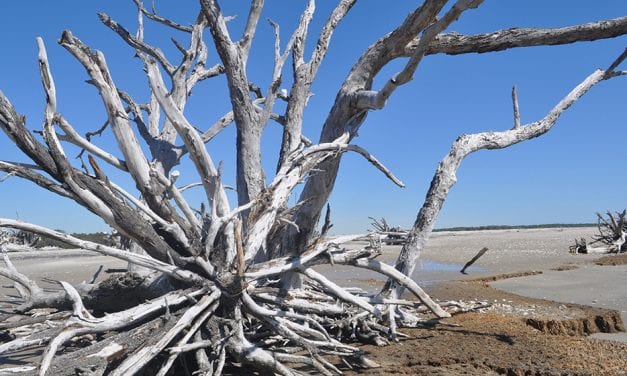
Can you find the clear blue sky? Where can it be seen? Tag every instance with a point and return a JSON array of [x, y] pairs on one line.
[[564, 176]]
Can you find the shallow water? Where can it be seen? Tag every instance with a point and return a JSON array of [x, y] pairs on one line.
[[427, 272]]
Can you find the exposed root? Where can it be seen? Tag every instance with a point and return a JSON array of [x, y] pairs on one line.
[[255, 324]]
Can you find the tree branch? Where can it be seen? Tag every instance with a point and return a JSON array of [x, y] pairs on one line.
[[377, 99], [250, 175], [516, 111], [155, 17], [141, 260], [244, 44], [57, 153], [40, 180], [198, 152], [136, 43], [138, 166], [445, 178], [78, 140], [455, 44]]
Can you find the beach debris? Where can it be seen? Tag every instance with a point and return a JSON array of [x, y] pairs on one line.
[[612, 233], [481, 252], [390, 235]]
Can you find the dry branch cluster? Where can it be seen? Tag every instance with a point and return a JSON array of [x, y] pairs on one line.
[[392, 235], [612, 232], [19, 238], [236, 284]]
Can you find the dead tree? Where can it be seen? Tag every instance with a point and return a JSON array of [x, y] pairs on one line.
[[612, 232], [391, 235], [234, 283], [22, 239]]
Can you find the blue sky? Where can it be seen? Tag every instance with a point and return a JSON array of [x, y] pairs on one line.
[[565, 176]]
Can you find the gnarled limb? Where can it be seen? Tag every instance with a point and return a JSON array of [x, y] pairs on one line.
[[377, 100], [345, 115], [250, 175], [141, 260], [444, 178], [454, 44]]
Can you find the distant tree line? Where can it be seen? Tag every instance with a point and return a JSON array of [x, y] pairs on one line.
[[514, 227]]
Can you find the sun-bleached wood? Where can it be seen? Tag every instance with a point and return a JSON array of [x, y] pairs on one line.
[[235, 281]]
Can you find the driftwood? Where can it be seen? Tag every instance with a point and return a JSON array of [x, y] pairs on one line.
[[19, 239], [612, 233], [474, 259], [232, 284], [390, 235]]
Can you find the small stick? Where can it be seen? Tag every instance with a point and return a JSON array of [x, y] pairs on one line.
[[472, 260], [96, 274], [516, 110]]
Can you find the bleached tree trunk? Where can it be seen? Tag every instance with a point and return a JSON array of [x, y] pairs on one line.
[[230, 282]]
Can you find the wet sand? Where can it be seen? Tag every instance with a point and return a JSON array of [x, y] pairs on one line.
[[509, 251]]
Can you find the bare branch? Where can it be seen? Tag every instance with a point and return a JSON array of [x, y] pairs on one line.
[[444, 177], [244, 44], [304, 76], [616, 63], [136, 162], [338, 147], [143, 356], [454, 44], [193, 331], [340, 11], [78, 307], [56, 151], [141, 260], [516, 111], [377, 100], [28, 174], [336, 290], [250, 175], [218, 126], [21, 281], [155, 17], [279, 59], [345, 116], [200, 156], [75, 138], [136, 43], [180, 201]]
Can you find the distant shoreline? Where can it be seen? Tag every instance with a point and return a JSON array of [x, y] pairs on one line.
[[514, 227]]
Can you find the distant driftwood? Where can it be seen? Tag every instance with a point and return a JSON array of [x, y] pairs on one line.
[[390, 235], [611, 238]]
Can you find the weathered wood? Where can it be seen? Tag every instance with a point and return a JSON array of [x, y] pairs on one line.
[[476, 257], [445, 175], [235, 284]]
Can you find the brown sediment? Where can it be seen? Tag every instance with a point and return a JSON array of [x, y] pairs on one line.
[[565, 268], [495, 344], [612, 260], [515, 335], [605, 321], [499, 277]]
